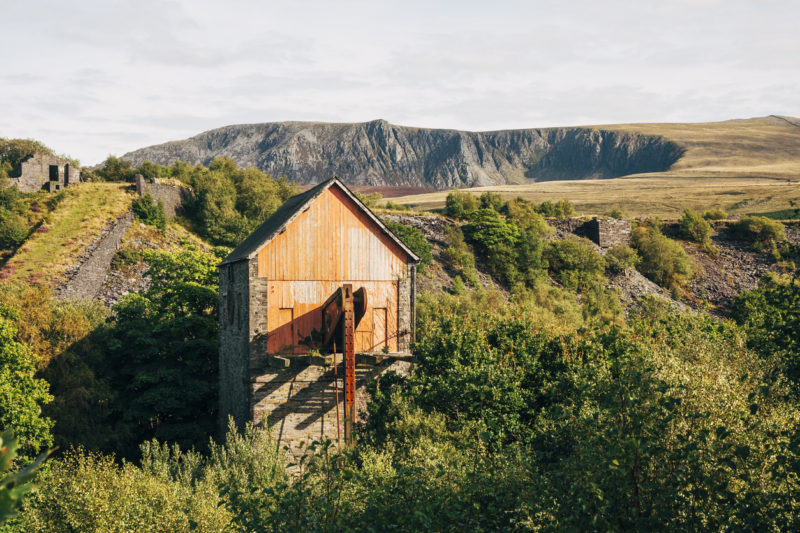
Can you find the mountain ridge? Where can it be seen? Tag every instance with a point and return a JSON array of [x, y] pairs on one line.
[[378, 153]]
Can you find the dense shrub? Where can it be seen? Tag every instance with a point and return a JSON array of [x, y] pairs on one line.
[[662, 259], [715, 214], [771, 317], [414, 239], [14, 229], [621, 257], [575, 263], [22, 394], [496, 240], [162, 353], [694, 227], [115, 169], [523, 213], [615, 212], [560, 209], [148, 211], [459, 256], [760, 231], [460, 204], [491, 200]]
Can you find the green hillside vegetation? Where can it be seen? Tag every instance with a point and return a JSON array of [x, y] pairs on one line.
[[62, 225], [537, 404]]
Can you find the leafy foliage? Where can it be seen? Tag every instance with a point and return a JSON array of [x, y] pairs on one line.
[[162, 351], [560, 209], [663, 260], [460, 204], [14, 485], [414, 239], [694, 227], [575, 263], [761, 231], [771, 317], [715, 214], [148, 211], [22, 394], [621, 257]]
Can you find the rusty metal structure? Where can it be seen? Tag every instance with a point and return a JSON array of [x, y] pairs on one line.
[[323, 275]]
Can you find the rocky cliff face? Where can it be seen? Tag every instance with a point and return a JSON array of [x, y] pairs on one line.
[[379, 153]]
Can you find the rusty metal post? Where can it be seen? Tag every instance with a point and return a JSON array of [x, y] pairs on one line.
[[349, 362]]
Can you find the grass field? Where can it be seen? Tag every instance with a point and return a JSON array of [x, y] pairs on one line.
[[665, 197], [755, 147], [742, 166], [73, 225]]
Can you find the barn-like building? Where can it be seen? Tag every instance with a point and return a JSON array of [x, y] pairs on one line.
[[272, 290]]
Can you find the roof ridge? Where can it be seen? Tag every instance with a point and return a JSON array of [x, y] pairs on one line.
[[289, 210]]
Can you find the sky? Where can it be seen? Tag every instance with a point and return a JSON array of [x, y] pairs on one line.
[[91, 78]]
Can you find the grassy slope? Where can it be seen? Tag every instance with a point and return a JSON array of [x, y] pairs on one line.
[[74, 224], [739, 165]]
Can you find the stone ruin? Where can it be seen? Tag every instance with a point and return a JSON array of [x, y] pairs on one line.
[[44, 171], [172, 197], [604, 232]]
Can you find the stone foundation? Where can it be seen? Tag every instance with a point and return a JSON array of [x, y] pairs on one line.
[[299, 402]]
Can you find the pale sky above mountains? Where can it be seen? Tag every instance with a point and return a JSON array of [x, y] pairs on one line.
[[99, 77]]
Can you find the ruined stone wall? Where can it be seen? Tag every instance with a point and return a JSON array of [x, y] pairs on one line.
[[86, 279], [299, 402], [34, 172], [234, 343], [604, 232], [172, 197], [405, 316]]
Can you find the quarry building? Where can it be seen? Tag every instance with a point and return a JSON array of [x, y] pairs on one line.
[[44, 171], [322, 278]]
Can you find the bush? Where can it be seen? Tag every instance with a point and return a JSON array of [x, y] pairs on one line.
[[575, 263], [459, 255], [496, 240], [414, 239], [615, 212], [663, 260], [523, 213], [14, 229], [694, 227], [715, 214], [460, 204], [621, 257], [760, 231], [561, 209], [491, 200], [149, 212]]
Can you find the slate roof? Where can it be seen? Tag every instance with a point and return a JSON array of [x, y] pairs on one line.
[[295, 205]]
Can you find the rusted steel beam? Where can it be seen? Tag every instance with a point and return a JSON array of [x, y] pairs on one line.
[[349, 362]]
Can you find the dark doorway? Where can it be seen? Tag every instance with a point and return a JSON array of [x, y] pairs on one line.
[[53, 172]]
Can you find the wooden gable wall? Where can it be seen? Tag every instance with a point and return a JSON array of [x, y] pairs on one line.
[[331, 243]]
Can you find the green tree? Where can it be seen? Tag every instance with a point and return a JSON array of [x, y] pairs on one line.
[[22, 394], [662, 259], [116, 169], [414, 239], [460, 204], [694, 227], [575, 263], [771, 317], [491, 200], [162, 351], [496, 240], [149, 212]]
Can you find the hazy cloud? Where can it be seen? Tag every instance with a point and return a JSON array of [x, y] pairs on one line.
[[99, 77]]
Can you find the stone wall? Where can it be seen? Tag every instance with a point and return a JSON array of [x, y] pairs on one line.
[[604, 232], [171, 196], [299, 402], [40, 169], [405, 319], [86, 279], [234, 344]]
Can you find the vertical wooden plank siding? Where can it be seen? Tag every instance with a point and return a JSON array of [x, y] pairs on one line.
[[329, 244]]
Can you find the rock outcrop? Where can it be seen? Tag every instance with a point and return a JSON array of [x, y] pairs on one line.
[[383, 154]]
